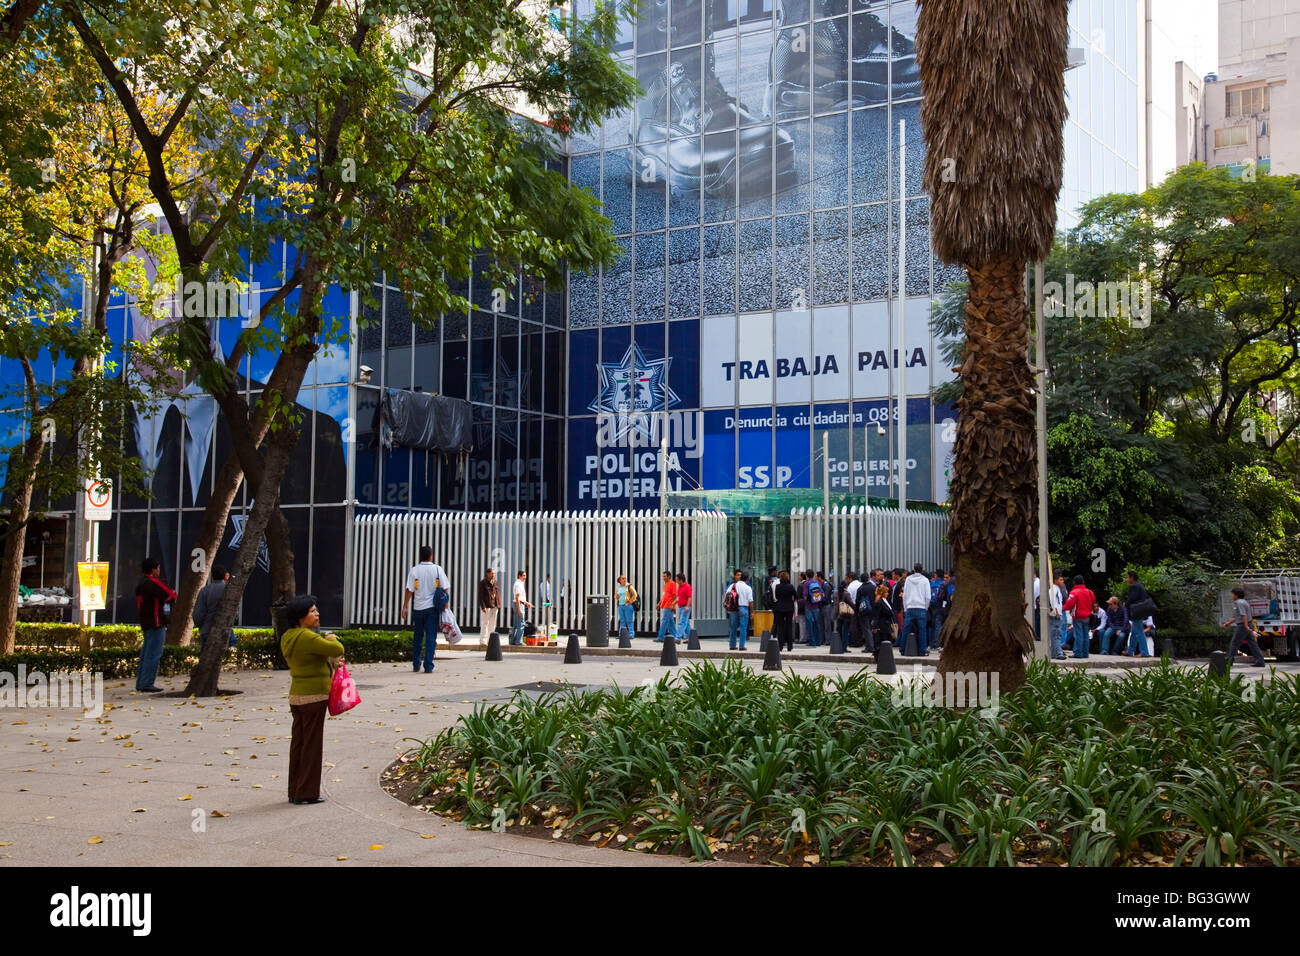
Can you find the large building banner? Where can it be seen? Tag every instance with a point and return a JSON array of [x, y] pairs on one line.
[[759, 401]]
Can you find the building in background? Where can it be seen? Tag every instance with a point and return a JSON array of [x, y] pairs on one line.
[[750, 324], [1247, 114]]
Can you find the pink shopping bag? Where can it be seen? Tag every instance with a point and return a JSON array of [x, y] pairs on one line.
[[343, 692]]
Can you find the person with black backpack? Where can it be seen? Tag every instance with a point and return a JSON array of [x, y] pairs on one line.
[[864, 618], [738, 601], [814, 597]]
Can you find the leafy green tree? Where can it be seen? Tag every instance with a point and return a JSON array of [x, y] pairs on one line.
[[1192, 383], [316, 114], [74, 191], [1104, 494]]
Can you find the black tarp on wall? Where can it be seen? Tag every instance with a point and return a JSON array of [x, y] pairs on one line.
[[434, 423]]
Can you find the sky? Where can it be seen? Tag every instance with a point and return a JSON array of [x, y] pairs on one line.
[[1185, 30]]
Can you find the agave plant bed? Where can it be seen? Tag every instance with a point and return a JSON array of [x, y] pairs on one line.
[[1162, 767]]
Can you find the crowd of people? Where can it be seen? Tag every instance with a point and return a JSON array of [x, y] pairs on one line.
[[863, 609], [1076, 618]]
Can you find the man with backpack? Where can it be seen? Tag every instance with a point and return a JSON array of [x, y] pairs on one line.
[[429, 586], [814, 597]]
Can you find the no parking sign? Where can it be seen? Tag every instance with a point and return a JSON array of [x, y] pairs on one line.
[[99, 500]]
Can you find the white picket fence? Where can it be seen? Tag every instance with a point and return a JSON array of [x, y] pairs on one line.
[[861, 538], [583, 552]]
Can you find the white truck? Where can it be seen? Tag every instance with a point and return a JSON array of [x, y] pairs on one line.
[[1274, 598]]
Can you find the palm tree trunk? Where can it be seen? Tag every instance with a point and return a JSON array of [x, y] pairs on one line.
[[994, 487]]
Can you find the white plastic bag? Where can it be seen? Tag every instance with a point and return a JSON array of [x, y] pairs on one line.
[[449, 627]]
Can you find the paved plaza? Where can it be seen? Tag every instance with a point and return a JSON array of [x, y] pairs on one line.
[[164, 781]]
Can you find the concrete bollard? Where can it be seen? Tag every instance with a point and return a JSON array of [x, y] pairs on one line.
[[624, 638], [573, 654], [911, 650], [494, 647], [837, 646], [693, 642], [668, 656], [1218, 664], [772, 657], [885, 658]]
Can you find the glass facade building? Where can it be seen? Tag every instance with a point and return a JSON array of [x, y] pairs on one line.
[[759, 195], [750, 323]]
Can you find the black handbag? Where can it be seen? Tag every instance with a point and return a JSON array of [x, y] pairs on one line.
[[1141, 610]]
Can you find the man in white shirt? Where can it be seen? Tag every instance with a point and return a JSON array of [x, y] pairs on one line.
[[430, 588], [739, 618], [916, 601], [1055, 618], [519, 598]]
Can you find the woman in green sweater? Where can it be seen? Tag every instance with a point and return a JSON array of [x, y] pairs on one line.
[[312, 658]]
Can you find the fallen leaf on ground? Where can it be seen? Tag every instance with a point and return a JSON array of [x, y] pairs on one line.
[[340, 858], [427, 836], [217, 813], [140, 810], [188, 796], [376, 846], [95, 840]]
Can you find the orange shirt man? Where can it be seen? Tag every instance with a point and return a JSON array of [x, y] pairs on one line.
[[668, 608]]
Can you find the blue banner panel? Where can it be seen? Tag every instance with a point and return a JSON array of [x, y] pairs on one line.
[[719, 468]]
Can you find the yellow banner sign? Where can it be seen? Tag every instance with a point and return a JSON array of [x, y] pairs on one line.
[[93, 577]]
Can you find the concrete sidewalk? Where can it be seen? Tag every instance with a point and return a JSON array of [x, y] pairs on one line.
[[143, 785]]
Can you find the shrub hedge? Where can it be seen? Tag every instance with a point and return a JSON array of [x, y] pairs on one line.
[[254, 651], [55, 635], [1163, 766]]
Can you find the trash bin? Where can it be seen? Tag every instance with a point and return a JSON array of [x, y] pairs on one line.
[[598, 621]]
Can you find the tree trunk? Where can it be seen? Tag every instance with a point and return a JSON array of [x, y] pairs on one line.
[[11, 564], [994, 487], [206, 673], [180, 630], [244, 461]]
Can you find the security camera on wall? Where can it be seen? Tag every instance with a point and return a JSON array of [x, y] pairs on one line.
[[365, 371]]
